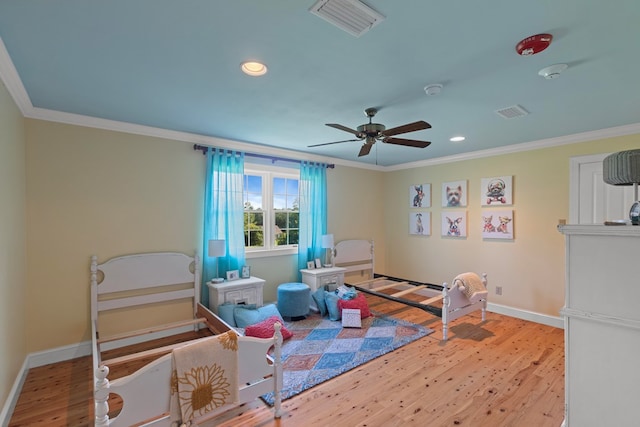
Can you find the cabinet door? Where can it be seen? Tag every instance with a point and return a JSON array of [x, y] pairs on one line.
[[250, 296], [233, 296]]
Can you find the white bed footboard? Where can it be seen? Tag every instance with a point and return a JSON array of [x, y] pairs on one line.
[[146, 393]]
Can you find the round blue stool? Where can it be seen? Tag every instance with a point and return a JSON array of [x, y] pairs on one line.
[[293, 299]]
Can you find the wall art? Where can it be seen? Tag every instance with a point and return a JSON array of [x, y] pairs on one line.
[[497, 224], [420, 196], [454, 194], [496, 191], [454, 224], [420, 223]]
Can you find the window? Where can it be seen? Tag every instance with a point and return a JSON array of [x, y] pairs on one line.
[[271, 211]]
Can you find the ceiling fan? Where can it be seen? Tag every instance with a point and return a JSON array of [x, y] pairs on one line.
[[372, 132]]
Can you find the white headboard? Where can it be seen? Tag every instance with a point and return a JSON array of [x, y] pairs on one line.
[[355, 255]]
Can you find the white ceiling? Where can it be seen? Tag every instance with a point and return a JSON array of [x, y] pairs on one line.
[[175, 65]]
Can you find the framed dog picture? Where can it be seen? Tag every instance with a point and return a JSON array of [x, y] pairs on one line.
[[497, 224], [232, 275], [496, 191], [246, 271], [454, 224], [420, 223], [311, 265], [420, 196], [454, 194]]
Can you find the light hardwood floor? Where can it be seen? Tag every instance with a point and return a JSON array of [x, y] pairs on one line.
[[501, 372]]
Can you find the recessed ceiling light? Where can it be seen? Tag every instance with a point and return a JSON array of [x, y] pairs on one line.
[[457, 138], [253, 68]]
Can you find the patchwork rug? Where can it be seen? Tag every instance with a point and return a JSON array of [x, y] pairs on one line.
[[321, 349]]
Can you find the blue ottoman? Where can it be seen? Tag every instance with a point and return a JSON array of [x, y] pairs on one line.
[[293, 299]]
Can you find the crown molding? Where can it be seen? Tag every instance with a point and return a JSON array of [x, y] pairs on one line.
[[12, 81], [525, 146]]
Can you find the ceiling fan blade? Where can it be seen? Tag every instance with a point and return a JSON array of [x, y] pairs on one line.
[[407, 142], [365, 149], [344, 128], [335, 142], [410, 127]]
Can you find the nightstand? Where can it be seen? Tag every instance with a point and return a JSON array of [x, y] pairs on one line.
[[319, 277], [241, 291]]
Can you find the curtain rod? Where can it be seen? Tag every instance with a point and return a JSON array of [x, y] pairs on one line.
[[273, 159]]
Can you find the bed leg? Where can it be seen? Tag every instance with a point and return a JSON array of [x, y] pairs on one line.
[[277, 356], [446, 302], [101, 397], [484, 303]]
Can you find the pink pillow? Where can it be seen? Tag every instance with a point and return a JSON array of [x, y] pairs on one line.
[[360, 302], [265, 329]]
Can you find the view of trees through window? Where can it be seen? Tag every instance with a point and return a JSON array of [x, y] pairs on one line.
[[270, 201]]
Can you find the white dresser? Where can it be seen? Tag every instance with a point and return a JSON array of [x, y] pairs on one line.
[[241, 291], [602, 325], [318, 277]]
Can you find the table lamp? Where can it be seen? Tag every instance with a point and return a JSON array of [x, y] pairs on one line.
[[217, 249], [327, 243], [623, 168]]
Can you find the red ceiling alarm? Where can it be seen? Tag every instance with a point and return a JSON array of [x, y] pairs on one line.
[[534, 44]]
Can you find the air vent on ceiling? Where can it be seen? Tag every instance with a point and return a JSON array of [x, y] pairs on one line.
[[352, 16], [512, 112]]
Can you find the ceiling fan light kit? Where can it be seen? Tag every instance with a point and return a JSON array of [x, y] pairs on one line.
[[372, 132]]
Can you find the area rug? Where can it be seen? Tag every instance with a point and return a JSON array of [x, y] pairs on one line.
[[321, 349]]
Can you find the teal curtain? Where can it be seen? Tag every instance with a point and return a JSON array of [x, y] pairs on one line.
[[313, 211], [223, 213]]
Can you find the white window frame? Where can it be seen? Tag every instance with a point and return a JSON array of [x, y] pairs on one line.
[[268, 173]]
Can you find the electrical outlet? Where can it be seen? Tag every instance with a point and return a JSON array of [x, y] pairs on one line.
[[498, 290]]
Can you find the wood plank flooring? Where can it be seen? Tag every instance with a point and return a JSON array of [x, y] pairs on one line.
[[501, 372]]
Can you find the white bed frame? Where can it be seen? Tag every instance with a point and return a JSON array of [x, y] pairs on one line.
[[358, 256], [146, 392]]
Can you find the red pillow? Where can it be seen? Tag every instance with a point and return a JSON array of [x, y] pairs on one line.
[[360, 302], [265, 329]]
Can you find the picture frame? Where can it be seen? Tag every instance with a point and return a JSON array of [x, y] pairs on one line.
[[420, 223], [311, 265], [246, 271], [497, 224], [496, 191], [420, 196], [318, 263], [454, 224], [232, 275], [351, 318], [454, 194]]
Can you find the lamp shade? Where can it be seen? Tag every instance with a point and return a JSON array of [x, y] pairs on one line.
[[622, 168], [327, 241], [216, 248]]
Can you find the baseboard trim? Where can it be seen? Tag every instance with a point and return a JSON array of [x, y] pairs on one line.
[[545, 319], [12, 398], [59, 354]]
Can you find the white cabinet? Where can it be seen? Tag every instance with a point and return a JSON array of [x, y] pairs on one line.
[[316, 278], [602, 325], [241, 291]]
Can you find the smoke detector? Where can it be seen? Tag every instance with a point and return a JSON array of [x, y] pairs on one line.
[[433, 90], [552, 71]]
